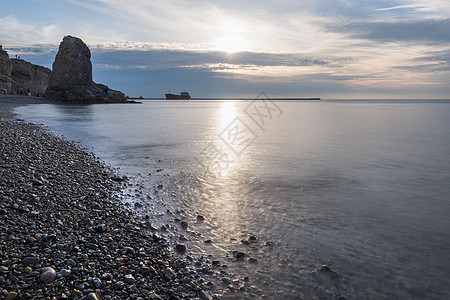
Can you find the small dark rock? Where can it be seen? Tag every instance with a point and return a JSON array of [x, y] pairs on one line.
[[100, 228], [240, 255], [129, 251], [96, 206], [180, 248], [92, 296], [91, 246], [326, 270], [30, 261], [184, 224]]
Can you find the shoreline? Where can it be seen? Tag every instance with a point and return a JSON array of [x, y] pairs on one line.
[[60, 209]]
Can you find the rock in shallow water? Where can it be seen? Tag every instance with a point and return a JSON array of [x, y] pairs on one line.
[[180, 248], [48, 275], [71, 78]]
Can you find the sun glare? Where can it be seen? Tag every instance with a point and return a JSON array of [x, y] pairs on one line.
[[232, 44]]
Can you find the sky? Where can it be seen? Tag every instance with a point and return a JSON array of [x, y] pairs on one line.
[[357, 49]]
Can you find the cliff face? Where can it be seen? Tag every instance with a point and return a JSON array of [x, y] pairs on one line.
[[21, 77], [30, 78], [71, 78], [5, 70]]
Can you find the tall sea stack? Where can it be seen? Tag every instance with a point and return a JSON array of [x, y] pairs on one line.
[[71, 78]]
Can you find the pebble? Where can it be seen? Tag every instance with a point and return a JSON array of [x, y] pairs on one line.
[[27, 270], [252, 239], [184, 224], [326, 270], [100, 228], [30, 261], [3, 269], [11, 296], [93, 296], [64, 273], [240, 255], [146, 270], [129, 251], [48, 275], [128, 278], [97, 282], [180, 248], [168, 272]]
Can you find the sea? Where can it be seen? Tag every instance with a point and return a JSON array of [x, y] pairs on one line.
[[331, 199]]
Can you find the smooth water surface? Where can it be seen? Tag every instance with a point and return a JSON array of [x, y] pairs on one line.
[[362, 187]]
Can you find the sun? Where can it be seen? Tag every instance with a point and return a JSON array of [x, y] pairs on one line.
[[232, 44]]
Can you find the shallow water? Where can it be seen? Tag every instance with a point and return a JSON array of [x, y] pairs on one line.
[[360, 186]]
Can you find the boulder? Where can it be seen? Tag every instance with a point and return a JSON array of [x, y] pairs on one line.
[[71, 78]]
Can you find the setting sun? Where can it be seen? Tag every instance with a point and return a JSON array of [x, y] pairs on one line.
[[232, 44]]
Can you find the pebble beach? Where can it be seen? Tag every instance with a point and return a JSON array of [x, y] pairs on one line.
[[64, 232]]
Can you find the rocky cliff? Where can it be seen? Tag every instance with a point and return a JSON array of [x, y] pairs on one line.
[[30, 78], [18, 76], [5, 70], [71, 78]]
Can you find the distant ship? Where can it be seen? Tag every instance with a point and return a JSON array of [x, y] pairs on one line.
[[181, 96]]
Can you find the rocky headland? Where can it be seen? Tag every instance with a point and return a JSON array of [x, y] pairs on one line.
[[71, 77], [69, 81], [19, 77]]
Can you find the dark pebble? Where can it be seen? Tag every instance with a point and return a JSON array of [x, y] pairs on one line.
[[30, 261], [180, 248]]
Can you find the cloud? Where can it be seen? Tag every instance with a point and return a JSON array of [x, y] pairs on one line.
[[433, 31]]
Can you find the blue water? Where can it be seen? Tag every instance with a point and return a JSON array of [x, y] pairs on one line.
[[361, 186]]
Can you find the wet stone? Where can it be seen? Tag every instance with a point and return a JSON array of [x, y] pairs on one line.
[[184, 224], [100, 228], [128, 278], [169, 273], [146, 270], [326, 270], [92, 296], [48, 275], [252, 239], [64, 273], [180, 248], [97, 282], [240, 255], [30, 261], [11, 296], [252, 260], [129, 251]]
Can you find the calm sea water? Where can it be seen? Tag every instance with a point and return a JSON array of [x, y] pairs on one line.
[[361, 186]]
